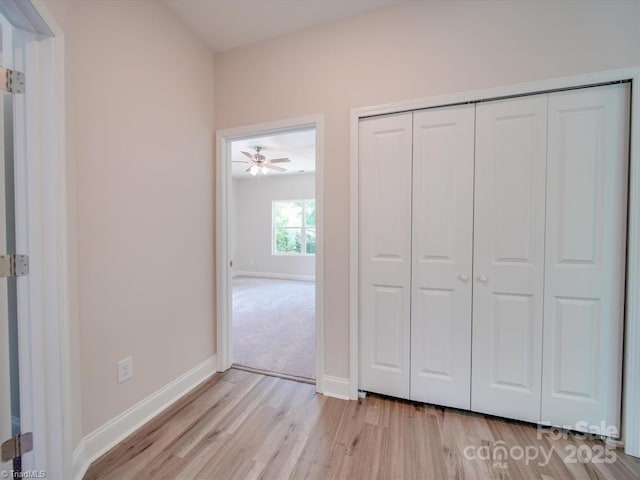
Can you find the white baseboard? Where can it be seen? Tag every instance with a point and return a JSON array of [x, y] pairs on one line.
[[336, 387], [279, 276], [117, 429]]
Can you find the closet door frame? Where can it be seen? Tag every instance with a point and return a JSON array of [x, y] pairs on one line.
[[631, 361]]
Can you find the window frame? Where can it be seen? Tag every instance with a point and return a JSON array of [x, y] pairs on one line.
[[303, 228]]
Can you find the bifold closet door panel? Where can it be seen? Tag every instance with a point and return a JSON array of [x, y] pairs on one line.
[[508, 267], [385, 145], [585, 256], [443, 146]]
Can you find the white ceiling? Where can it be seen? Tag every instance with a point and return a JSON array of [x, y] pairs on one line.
[[227, 24], [298, 146]]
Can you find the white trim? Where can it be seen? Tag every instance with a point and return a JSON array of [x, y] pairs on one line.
[[336, 387], [41, 232], [104, 438], [223, 290], [54, 256], [631, 381], [223, 272], [631, 393], [278, 276], [320, 251], [354, 242]]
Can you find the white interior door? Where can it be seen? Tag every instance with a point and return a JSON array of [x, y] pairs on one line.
[[509, 257], [443, 155], [585, 256], [5, 340], [14, 371], [385, 253]]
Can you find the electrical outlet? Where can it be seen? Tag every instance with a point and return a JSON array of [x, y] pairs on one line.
[[125, 369]]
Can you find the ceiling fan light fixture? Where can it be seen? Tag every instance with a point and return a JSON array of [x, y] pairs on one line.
[[259, 163]]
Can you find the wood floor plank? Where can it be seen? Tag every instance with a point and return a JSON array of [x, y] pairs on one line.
[[314, 459], [201, 456], [215, 417], [397, 433], [229, 390], [135, 452], [243, 443], [243, 425]]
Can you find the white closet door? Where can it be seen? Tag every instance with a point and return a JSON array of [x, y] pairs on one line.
[[585, 256], [509, 257], [385, 253], [443, 145]]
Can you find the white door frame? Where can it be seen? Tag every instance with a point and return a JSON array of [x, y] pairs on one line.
[[223, 231], [41, 232], [631, 382]]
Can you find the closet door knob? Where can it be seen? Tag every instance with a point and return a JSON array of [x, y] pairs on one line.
[[464, 277], [483, 278]]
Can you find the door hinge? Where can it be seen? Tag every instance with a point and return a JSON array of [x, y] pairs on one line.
[[17, 446], [11, 81], [14, 265]]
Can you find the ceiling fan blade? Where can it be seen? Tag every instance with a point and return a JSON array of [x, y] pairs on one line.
[[249, 169], [273, 167], [279, 160], [247, 154], [239, 161]]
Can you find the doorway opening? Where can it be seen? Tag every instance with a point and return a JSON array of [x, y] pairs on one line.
[[270, 237], [273, 245]]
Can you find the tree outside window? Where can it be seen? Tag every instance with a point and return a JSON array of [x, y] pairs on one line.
[[294, 227]]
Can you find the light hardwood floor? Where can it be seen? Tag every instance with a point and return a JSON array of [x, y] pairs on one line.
[[242, 425]]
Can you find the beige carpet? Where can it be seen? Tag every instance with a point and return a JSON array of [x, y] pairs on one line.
[[274, 325]]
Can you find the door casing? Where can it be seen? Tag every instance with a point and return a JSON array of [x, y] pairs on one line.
[[42, 232]]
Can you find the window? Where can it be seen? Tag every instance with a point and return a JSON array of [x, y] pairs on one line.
[[294, 227]]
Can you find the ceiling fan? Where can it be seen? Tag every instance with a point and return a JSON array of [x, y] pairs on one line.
[[261, 164]]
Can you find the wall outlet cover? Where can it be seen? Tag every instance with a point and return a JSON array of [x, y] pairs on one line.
[[125, 369]]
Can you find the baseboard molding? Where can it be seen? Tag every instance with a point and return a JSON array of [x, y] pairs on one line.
[[114, 431], [336, 387], [278, 276]]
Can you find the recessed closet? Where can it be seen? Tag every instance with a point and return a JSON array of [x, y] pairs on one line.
[[492, 240]]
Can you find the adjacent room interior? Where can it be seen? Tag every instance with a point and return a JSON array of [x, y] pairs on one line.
[[273, 246]]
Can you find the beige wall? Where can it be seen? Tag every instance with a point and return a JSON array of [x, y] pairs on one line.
[[140, 148], [414, 50]]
